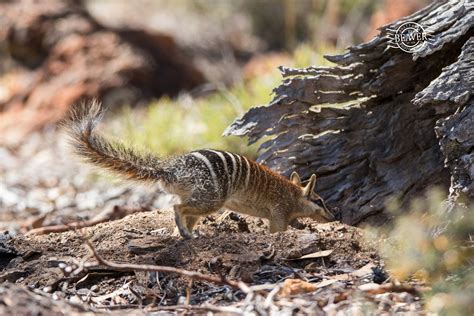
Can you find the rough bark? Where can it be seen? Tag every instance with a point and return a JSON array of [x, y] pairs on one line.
[[456, 132], [366, 127]]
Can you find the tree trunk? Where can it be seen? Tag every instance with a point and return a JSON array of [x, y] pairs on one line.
[[381, 123]]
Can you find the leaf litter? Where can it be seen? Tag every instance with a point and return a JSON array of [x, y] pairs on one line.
[[317, 269]]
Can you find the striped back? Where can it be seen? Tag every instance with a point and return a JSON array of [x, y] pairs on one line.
[[232, 173]]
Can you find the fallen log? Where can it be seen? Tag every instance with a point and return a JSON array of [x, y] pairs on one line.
[[367, 126]]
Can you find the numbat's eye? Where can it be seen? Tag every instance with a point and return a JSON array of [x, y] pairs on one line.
[[319, 203]]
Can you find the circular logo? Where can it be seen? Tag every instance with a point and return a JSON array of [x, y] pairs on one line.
[[410, 37]]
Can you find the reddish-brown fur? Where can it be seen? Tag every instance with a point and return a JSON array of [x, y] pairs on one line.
[[205, 180]]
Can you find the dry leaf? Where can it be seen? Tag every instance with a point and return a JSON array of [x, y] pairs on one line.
[[367, 269], [326, 283], [296, 286], [318, 254], [341, 277], [372, 288]]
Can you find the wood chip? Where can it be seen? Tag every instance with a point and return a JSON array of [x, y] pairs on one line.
[[326, 283], [365, 270], [314, 255], [296, 286], [372, 288]]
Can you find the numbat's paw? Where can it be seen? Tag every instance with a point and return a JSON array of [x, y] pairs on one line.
[[183, 234]]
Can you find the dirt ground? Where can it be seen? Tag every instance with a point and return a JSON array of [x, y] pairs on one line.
[[237, 247], [315, 269]]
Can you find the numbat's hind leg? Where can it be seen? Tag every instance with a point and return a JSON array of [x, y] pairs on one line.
[[179, 218], [186, 217]]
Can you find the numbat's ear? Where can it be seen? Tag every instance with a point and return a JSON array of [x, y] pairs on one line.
[[295, 178], [310, 186]]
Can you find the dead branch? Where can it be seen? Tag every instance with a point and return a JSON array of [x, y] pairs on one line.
[[203, 308], [115, 213], [193, 275]]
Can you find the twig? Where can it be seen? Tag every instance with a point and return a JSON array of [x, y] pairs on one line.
[[207, 308], [65, 227], [116, 213], [271, 295], [115, 307], [130, 267], [188, 292], [35, 222]]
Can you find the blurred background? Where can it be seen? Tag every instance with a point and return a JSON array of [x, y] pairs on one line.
[[214, 59], [173, 73], [222, 36]]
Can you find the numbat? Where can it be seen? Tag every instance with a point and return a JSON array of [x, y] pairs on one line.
[[205, 180]]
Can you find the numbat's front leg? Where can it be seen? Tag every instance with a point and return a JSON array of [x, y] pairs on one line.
[[278, 223]]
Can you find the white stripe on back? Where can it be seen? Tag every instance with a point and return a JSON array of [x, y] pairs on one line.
[[222, 158], [234, 167], [209, 167], [225, 165]]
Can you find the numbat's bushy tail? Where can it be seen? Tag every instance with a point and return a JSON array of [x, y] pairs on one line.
[[80, 124], [205, 180]]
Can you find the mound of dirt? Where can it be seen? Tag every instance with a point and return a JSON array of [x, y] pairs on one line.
[[315, 269], [236, 247]]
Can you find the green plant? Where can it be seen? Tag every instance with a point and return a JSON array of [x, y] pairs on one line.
[[170, 127], [434, 243], [173, 126]]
